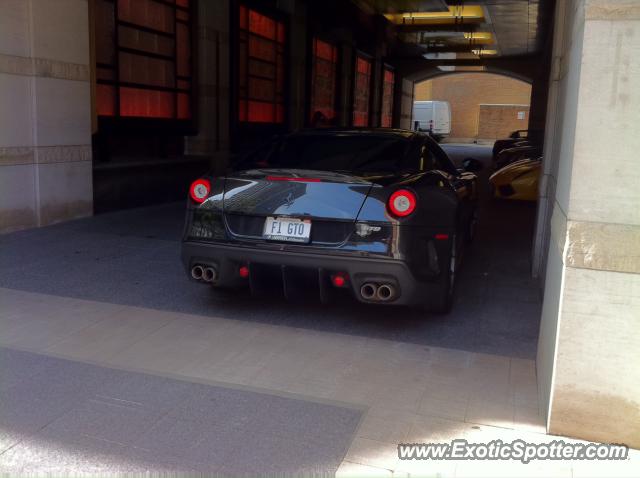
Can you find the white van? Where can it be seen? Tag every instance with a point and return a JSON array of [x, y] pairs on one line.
[[432, 116]]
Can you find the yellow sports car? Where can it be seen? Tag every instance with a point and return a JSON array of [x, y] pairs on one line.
[[518, 180]]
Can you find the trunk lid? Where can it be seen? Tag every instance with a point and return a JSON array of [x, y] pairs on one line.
[[293, 192]]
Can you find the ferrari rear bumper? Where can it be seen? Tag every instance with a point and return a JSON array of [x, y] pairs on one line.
[[299, 275]]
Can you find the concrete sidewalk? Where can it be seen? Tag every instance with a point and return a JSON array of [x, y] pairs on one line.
[[408, 392]]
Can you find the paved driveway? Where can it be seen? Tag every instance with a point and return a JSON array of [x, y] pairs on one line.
[[132, 258]]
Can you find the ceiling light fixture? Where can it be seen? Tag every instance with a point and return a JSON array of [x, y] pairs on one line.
[[458, 14]]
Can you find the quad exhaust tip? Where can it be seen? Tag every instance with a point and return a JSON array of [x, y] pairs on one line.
[[385, 292], [204, 273], [368, 291], [197, 272], [375, 292], [209, 274]]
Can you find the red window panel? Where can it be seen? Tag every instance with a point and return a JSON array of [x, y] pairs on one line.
[[262, 49], [183, 46], [184, 106], [142, 103], [146, 42], [323, 80], [261, 112], [145, 70], [387, 98], [262, 89], [325, 51], [361, 92], [262, 25], [147, 13], [261, 69], [243, 17], [363, 66]]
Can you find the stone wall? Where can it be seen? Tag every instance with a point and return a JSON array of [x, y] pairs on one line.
[[45, 112], [588, 227]]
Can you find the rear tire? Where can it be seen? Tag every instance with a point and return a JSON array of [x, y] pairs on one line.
[[443, 304], [470, 232]]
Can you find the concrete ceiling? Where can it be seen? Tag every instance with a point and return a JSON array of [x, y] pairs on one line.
[[453, 29]]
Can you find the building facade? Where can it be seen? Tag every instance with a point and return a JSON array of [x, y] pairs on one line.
[[117, 103], [124, 102]]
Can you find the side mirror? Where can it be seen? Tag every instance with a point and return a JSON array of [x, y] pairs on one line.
[[472, 165]]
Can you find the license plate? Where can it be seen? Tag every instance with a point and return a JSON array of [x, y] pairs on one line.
[[287, 229]]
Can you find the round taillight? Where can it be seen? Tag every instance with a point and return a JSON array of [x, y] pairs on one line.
[[402, 202], [200, 190]]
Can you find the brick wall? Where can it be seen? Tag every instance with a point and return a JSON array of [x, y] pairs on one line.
[[497, 121], [467, 91]]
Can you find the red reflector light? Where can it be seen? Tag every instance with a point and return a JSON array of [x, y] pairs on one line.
[[199, 190], [442, 237], [339, 280], [243, 271], [402, 203], [286, 178]]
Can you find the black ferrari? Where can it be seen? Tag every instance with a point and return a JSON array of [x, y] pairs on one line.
[[381, 214]]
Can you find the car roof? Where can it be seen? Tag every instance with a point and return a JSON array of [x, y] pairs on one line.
[[378, 132]]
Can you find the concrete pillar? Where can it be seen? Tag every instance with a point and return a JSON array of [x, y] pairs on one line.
[[212, 84], [538, 103], [377, 77], [345, 85], [589, 347], [552, 142], [45, 112], [297, 61], [405, 105]]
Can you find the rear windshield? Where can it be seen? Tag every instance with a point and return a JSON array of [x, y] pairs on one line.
[[331, 153]]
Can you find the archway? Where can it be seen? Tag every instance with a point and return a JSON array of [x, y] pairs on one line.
[[484, 105]]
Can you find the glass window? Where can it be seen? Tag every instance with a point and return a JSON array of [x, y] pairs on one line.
[[323, 82], [333, 153], [260, 68], [361, 91], [143, 59], [438, 157]]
